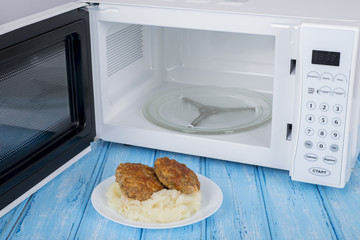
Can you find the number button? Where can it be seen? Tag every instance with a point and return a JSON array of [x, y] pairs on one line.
[[310, 118], [309, 131], [322, 133], [311, 105], [335, 135], [337, 108], [324, 107], [336, 122], [323, 120], [321, 146]]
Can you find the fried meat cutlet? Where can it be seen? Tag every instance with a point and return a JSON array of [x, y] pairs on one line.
[[137, 181], [175, 175]]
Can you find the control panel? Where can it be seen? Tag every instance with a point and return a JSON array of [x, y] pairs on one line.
[[326, 58]]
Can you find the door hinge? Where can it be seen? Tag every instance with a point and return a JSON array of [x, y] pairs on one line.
[[91, 4], [95, 139]]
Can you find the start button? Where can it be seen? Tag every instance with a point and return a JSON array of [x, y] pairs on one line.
[[319, 171]]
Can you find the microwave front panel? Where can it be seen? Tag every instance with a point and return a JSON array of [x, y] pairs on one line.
[[327, 67]]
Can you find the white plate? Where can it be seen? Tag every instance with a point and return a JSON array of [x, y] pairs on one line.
[[211, 201]]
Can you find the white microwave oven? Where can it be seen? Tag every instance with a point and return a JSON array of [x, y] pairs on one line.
[[268, 83]]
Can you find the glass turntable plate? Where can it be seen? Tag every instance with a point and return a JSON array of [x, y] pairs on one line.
[[209, 110]]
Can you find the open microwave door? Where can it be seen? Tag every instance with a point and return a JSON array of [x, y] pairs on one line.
[[47, 117]]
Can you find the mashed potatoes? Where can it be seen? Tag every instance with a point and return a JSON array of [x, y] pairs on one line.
[[163, 206]]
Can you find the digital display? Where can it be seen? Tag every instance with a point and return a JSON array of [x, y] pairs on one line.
[[325, 58]]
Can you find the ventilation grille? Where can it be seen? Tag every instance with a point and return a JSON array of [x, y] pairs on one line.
[[123, 48]]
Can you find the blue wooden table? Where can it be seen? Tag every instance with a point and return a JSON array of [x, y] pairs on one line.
[[259, 203]]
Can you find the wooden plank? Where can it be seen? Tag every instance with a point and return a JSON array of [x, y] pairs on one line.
[[242, 214], [95, 226], [54, 210], [190, 232], [342, 206], [9, 220], [295, 210]]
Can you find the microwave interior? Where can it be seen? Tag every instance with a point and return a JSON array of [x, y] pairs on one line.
[[185, 82]]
